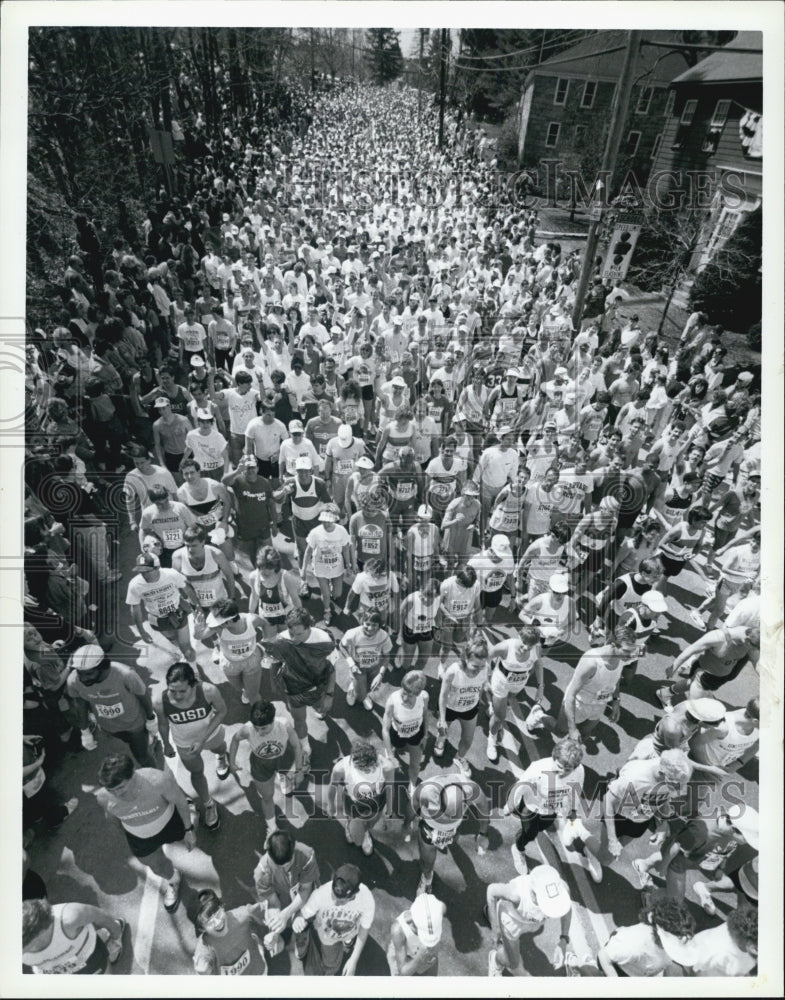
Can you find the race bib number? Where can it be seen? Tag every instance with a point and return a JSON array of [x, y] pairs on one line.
[[404, 491], [328, 558], [379, 599], [442, 490], [422, 563], [206, 595], [240, 649], [373, 546], [605, 694], [435, 413], [113, 711], [368, 657], [322, 448], [166, 609], [173, 537], [441, 838], [344, 466], [239, 967], [206, 519], [460, 609], [494, 580], [408, 728]]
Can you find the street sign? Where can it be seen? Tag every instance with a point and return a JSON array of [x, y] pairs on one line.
[[620, 249]]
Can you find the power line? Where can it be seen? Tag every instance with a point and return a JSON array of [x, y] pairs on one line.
[[576, 36]]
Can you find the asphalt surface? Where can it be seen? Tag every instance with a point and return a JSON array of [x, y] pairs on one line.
[[88, 860]]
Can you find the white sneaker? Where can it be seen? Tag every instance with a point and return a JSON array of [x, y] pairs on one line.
[[244, 699], [593, 866], [494, 969], [492, 750], [367, 845], [114, 946], [211, 818], [439, 745], [519, 860], [463, 765], [368, 703], [286, 781], [351, 695], [88, 740]]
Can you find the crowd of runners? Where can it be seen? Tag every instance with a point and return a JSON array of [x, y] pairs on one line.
[[322, 428]]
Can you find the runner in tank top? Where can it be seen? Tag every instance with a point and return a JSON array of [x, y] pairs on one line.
[[405, 723], [61, 939], [440, 804], [680, 544], [275, 749], [239, 655], [731, 744], [419, 612], [422, 544], [274, 590], [595, 685], [205, 567], [366, 777], [459, 609], [414, 938], [191, 713], [445, 477], [362, 483], [209, 502], [396, 435], [513, 661], [463, 683]]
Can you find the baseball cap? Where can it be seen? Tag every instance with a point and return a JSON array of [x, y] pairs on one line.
[[303, 462], [247, 462], [144, 562], [197, 362], [501, 545], [610, 504], [561, 371], [550, 890], [398, 380], [505, 429], [424, 512], [345, 436], [558, 583], [295, 426], [329, 513], [349, 875], [511, 371], [397, 321], [427, 913], [363, 462], [655, 602], [471, 487], [204, 415], [744, 377], [706, 709], [161, 402], [87, 657]]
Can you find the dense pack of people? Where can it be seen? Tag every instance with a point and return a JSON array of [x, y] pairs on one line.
[[320, 430]]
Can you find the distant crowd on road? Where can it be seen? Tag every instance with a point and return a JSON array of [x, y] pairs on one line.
[[333, 395]]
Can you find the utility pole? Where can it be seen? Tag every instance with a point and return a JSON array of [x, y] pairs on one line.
[[619, 110], [442, 83], [419, 79], [313, 74]]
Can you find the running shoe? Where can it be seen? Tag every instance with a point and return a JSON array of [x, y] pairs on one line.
[[114, 946], [644, 878], [519, 860], [697, 620], [368, 703], [351, 695], [211, 818], [704, 898], [327, 617], [494, 969], [593, 866], [367, 845], [222, 768], [286, 781], [244, 699], [463, 765], [439, 745], [304, 589], [666, 698], [492, 750], [172, 896]]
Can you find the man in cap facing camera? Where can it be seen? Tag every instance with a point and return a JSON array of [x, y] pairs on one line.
[[118, 699], [414, 938], [208, 446], [494, 565], [334, 923], [341, 453], [521, 907]]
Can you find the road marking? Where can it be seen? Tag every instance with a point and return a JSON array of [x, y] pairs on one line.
[[148, 915]]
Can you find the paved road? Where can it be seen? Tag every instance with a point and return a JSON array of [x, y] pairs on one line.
[[88, 859]]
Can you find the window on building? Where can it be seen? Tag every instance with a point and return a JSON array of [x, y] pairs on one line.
[[580, 134], [553, 134], [669, 103], [633, 141], [562, 86], [720, 115], [644, 100], [656, 147], [589, 92], [690, 107]]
